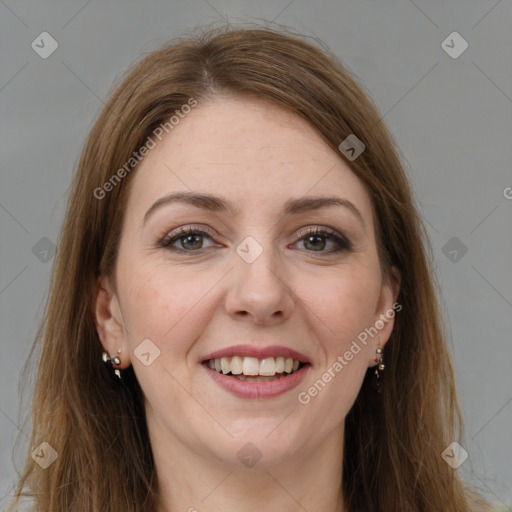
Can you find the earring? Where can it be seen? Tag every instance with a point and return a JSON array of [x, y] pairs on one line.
[[116, 360], [380, 368]]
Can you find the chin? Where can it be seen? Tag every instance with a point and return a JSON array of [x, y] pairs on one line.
[[257, 444]]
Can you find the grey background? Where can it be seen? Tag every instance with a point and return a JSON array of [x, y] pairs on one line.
[[451, 119]]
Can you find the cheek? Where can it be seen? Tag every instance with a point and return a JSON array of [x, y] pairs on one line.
[[344, 305], [343, 308], [167, 308], [164, 306]]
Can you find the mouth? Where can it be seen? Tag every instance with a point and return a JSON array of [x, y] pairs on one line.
[[252, 369], [251, 372]]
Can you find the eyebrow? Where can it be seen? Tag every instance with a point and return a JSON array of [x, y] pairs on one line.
[[220, 205]]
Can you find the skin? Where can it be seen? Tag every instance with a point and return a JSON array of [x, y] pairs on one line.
[[295, 294]]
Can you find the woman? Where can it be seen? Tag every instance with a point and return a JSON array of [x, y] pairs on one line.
[[242, 315]]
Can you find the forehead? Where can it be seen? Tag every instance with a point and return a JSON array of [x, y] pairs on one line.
[[250, 151]]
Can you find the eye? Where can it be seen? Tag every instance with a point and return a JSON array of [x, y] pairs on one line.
[[190, 239], [317, 239]]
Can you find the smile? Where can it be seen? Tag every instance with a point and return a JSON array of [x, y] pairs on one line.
[[252, 369], [256, 373]]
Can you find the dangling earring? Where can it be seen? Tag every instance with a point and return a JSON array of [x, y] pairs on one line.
[[380, 367], [116, 360]]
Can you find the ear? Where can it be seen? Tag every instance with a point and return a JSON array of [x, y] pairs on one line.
[[387, 307], [109, 322]]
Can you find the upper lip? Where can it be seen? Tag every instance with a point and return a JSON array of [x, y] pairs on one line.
[[258, 352]]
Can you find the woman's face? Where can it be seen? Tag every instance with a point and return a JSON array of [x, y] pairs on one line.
[[247, 279]]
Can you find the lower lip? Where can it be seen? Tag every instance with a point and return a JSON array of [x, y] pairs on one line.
[[258, 390]]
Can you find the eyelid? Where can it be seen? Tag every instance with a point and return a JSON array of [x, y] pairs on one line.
[[189, 227], [310, 229]]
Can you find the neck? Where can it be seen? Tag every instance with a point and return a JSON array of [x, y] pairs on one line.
[[190, 482]]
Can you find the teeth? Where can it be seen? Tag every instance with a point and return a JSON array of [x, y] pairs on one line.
[[251, 366], [236, 365], [258, 378], [224, 366], [268, 366]]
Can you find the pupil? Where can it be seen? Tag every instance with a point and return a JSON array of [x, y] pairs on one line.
[[190, 238], [317, 238]]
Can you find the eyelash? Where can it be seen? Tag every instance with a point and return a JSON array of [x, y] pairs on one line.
[[343, 244]]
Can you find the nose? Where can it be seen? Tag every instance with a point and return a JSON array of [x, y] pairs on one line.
[[258, 289]]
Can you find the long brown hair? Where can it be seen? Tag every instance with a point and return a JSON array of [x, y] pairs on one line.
[[96, 424]]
